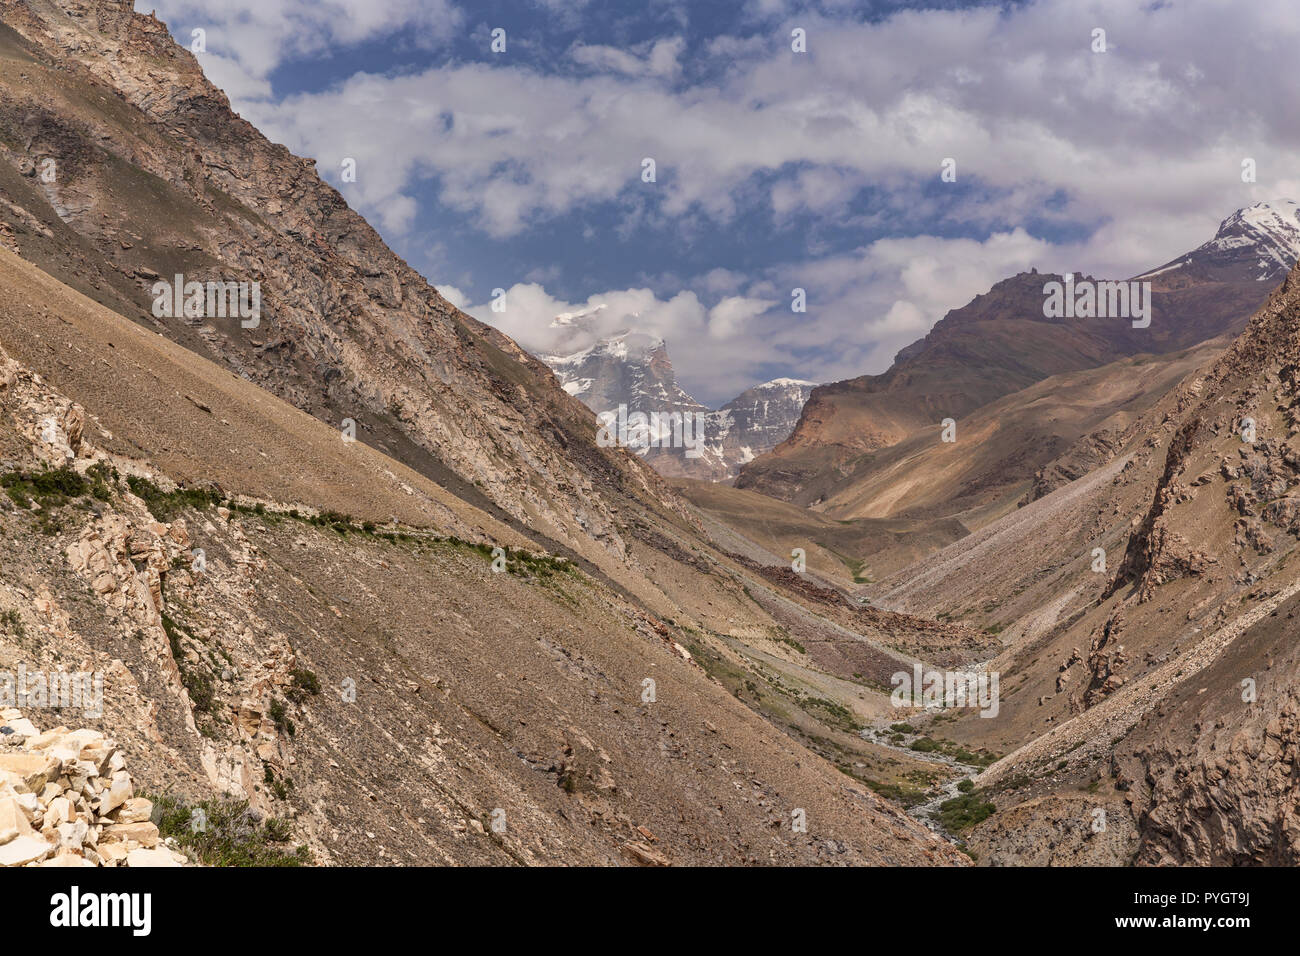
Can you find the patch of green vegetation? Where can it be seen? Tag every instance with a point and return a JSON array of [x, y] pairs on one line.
[[102, 478], [335, 521], [50, 489], [303, 683], [854, 565], [279, 714], [899, 793], [199, 686], [279, 786], [165, 505], [902, 728], [197, 683], [962, 813], [837, 715], [791, 642], [972, 758], [174, 634], [231, 835], [966, 786], [541, 566], [12, 623]]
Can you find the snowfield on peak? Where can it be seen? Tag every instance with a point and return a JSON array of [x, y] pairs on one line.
[[633, 369], [1260, 241]]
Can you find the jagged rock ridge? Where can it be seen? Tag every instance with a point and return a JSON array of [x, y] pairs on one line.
[[633, 369]]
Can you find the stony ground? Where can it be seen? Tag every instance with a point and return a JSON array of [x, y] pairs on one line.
[[67, 799]]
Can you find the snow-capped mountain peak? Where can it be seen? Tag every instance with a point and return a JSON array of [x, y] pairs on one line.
[[626, 346], [633, 369], [630, 368], [1260, 241], [1272, 228], [784, 383]]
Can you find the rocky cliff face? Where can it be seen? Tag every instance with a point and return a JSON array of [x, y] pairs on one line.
[[1161, 684], [1210, 770], [759, 418], [154, 176]]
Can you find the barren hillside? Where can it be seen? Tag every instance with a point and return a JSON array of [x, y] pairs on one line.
[[343, 656]]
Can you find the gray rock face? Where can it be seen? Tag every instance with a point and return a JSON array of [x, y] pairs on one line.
[[760, 418], [633, 370]]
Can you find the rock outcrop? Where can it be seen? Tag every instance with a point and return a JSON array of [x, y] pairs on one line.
[[67, 799]]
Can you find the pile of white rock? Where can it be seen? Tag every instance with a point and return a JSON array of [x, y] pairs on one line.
[[66, 799]]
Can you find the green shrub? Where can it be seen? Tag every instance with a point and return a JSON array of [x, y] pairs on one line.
[[232, 835], [50, 489], [279, 714], [961, 813], [304, 683], [165, 505]]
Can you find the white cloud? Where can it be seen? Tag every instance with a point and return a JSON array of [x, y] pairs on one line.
[[657, 59], [862, 308], [1016, 97], [452, 294], [1142, 145], [248, 39], [730, 317]]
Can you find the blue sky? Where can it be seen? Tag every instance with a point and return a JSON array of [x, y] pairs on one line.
[[775, 169]]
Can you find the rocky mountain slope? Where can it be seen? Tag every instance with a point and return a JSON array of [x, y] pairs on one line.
[[471, 635], [634, 370], [153, 176], [892, 507], [1001, 342], [366, 682], [1128, 533], [1150, 715]]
